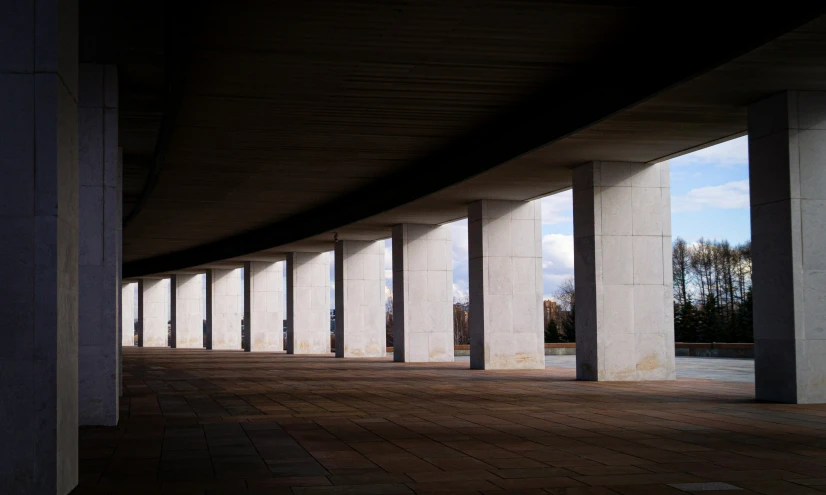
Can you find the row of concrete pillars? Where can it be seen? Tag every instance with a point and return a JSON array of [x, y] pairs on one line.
[[62, 261]]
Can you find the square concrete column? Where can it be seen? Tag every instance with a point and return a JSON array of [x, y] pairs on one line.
[[787, 177], [119, 247], [505, 275], [361, 328], [422, 293], [263, 306], [308, 303], [208, 306], [622, 266], [39, 247], [226, 312], [99, 250], [186, 297], [153, 301], [128, 315]]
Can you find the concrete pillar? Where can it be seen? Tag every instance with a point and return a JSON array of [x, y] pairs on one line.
[[263, 306], [153, 326], [308, 303], [39, 247], [186, 296], [505, 275], [128, 315], [99, 254], [226, 312], [422, 293], [361, 329], [787, 176], [622, 266], [208, 305]]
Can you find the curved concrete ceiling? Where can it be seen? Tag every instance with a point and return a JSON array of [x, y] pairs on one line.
[[296, 120]]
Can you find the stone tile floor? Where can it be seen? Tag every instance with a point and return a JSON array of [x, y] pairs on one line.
[[196, 421]]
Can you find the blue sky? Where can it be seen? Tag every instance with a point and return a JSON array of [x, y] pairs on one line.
[[709, 198]]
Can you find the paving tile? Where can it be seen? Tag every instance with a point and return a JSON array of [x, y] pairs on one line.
[[658, 489], [549, 482], [638, 479], [779, 487], [544, 472], [709, 486], [580, 490], [459, 486], [230, 422], [380, 489]]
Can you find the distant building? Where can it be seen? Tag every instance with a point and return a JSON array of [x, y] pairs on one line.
[[551, 311], [332, 320]]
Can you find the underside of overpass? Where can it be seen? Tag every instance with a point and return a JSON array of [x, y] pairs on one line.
[[153, 140], [251, 129]]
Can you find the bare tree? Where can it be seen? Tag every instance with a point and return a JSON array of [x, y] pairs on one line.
[[388, 319], [565, 296], [681, 261], [461, 332], [712, 290]]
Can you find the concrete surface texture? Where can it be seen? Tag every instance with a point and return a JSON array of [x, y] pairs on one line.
[[787, 176], [422, 293], [128, 314], [153, 308], [505, 276], [361, 329], [186, 311], [39, 248], [99, 231], [308, 303], [623, 275], [264, 306], [226, 310]]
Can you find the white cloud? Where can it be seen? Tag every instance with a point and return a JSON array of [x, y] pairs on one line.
[[557, 208], [729, 196], [459, 233], [388, 255], [557, 261], [732, 152], [558, 254], [460, 260], [460, 294]]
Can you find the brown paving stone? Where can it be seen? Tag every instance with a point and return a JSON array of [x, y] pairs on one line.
[[439, 476], [549, 482], [369, 478], [648, 490], [581, 490], [196, 421], [514, 463], [459, 463], [381, 489], [638, 479], [604, 470], [526, 491], [545, 472], [457, 486]]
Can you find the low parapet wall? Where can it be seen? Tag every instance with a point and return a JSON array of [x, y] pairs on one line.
[[713, 349]]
